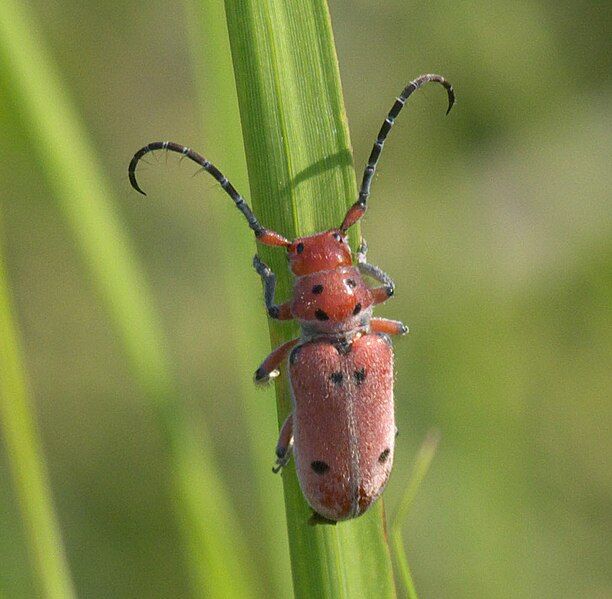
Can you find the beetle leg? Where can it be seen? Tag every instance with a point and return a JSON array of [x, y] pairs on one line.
[[362, 251], [380, 294], [316, 518], [269, 367], [387, 326], [278, 311], [284, 445]]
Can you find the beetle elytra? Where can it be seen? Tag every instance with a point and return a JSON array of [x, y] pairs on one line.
[[342, 428]]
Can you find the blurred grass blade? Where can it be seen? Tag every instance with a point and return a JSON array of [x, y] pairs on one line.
[[25, 457], [301, 181], [214, 78], [217, 553], [419, 471]]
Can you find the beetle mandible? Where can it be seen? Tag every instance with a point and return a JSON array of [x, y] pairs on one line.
[[342, 428]]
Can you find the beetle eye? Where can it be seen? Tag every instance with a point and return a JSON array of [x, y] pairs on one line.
[[299, 248], [337, 236]]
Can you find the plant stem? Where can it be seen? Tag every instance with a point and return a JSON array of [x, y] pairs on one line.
[[216, 88], [26, 459], [301, 181], [422, 463]]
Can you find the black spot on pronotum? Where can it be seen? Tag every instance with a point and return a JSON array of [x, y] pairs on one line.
[[384, 456], [299, 248], [336, 378], [351, 283], [357, 309], [319, 467], [321, 315], [360, 375], [317, 289], [294, 354]]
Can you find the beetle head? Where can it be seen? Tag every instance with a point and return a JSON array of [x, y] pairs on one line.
[[323, 251]]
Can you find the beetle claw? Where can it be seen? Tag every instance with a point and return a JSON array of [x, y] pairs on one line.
[[281, 462], [263, 378]]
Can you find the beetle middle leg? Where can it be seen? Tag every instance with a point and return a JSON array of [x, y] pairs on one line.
[[383, 293], [284, 445], [278, 311], [269, 367], [388, 326]]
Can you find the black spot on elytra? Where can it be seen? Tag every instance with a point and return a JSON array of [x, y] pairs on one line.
[[336, 378], [299, 248], [294, 354], [357, 309], [382, 458], [360, 375], [321, 315], [351, 283], [317, 289], [319, 467]]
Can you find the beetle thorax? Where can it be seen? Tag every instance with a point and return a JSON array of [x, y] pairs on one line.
[[332, 302]]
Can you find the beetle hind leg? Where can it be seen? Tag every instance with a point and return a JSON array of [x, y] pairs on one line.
[[316, 518], [284, 445]]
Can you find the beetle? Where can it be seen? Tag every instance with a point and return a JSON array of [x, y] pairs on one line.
[[342, 428]]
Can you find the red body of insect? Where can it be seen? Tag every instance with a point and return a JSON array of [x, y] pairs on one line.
[[342, 428]]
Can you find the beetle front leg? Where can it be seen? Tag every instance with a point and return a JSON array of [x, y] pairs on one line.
[[278, 311], [380, 294], [387, 326], [269, 367], [284, 445]]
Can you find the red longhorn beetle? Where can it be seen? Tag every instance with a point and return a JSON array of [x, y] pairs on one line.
[[342, 429]]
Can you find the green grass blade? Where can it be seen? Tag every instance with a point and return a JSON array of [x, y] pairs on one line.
[[17, 422], [301, 181], [216, 550], [217, 95], [422, 463]]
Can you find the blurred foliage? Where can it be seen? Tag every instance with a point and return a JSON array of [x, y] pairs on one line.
[[494, 222]]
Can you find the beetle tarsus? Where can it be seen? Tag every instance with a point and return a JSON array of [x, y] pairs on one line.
[[262, 377], [316, 518]]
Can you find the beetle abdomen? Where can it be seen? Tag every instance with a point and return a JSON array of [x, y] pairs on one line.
[[343, 423]]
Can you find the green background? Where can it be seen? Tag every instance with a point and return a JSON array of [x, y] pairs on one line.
[[494, 222]]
